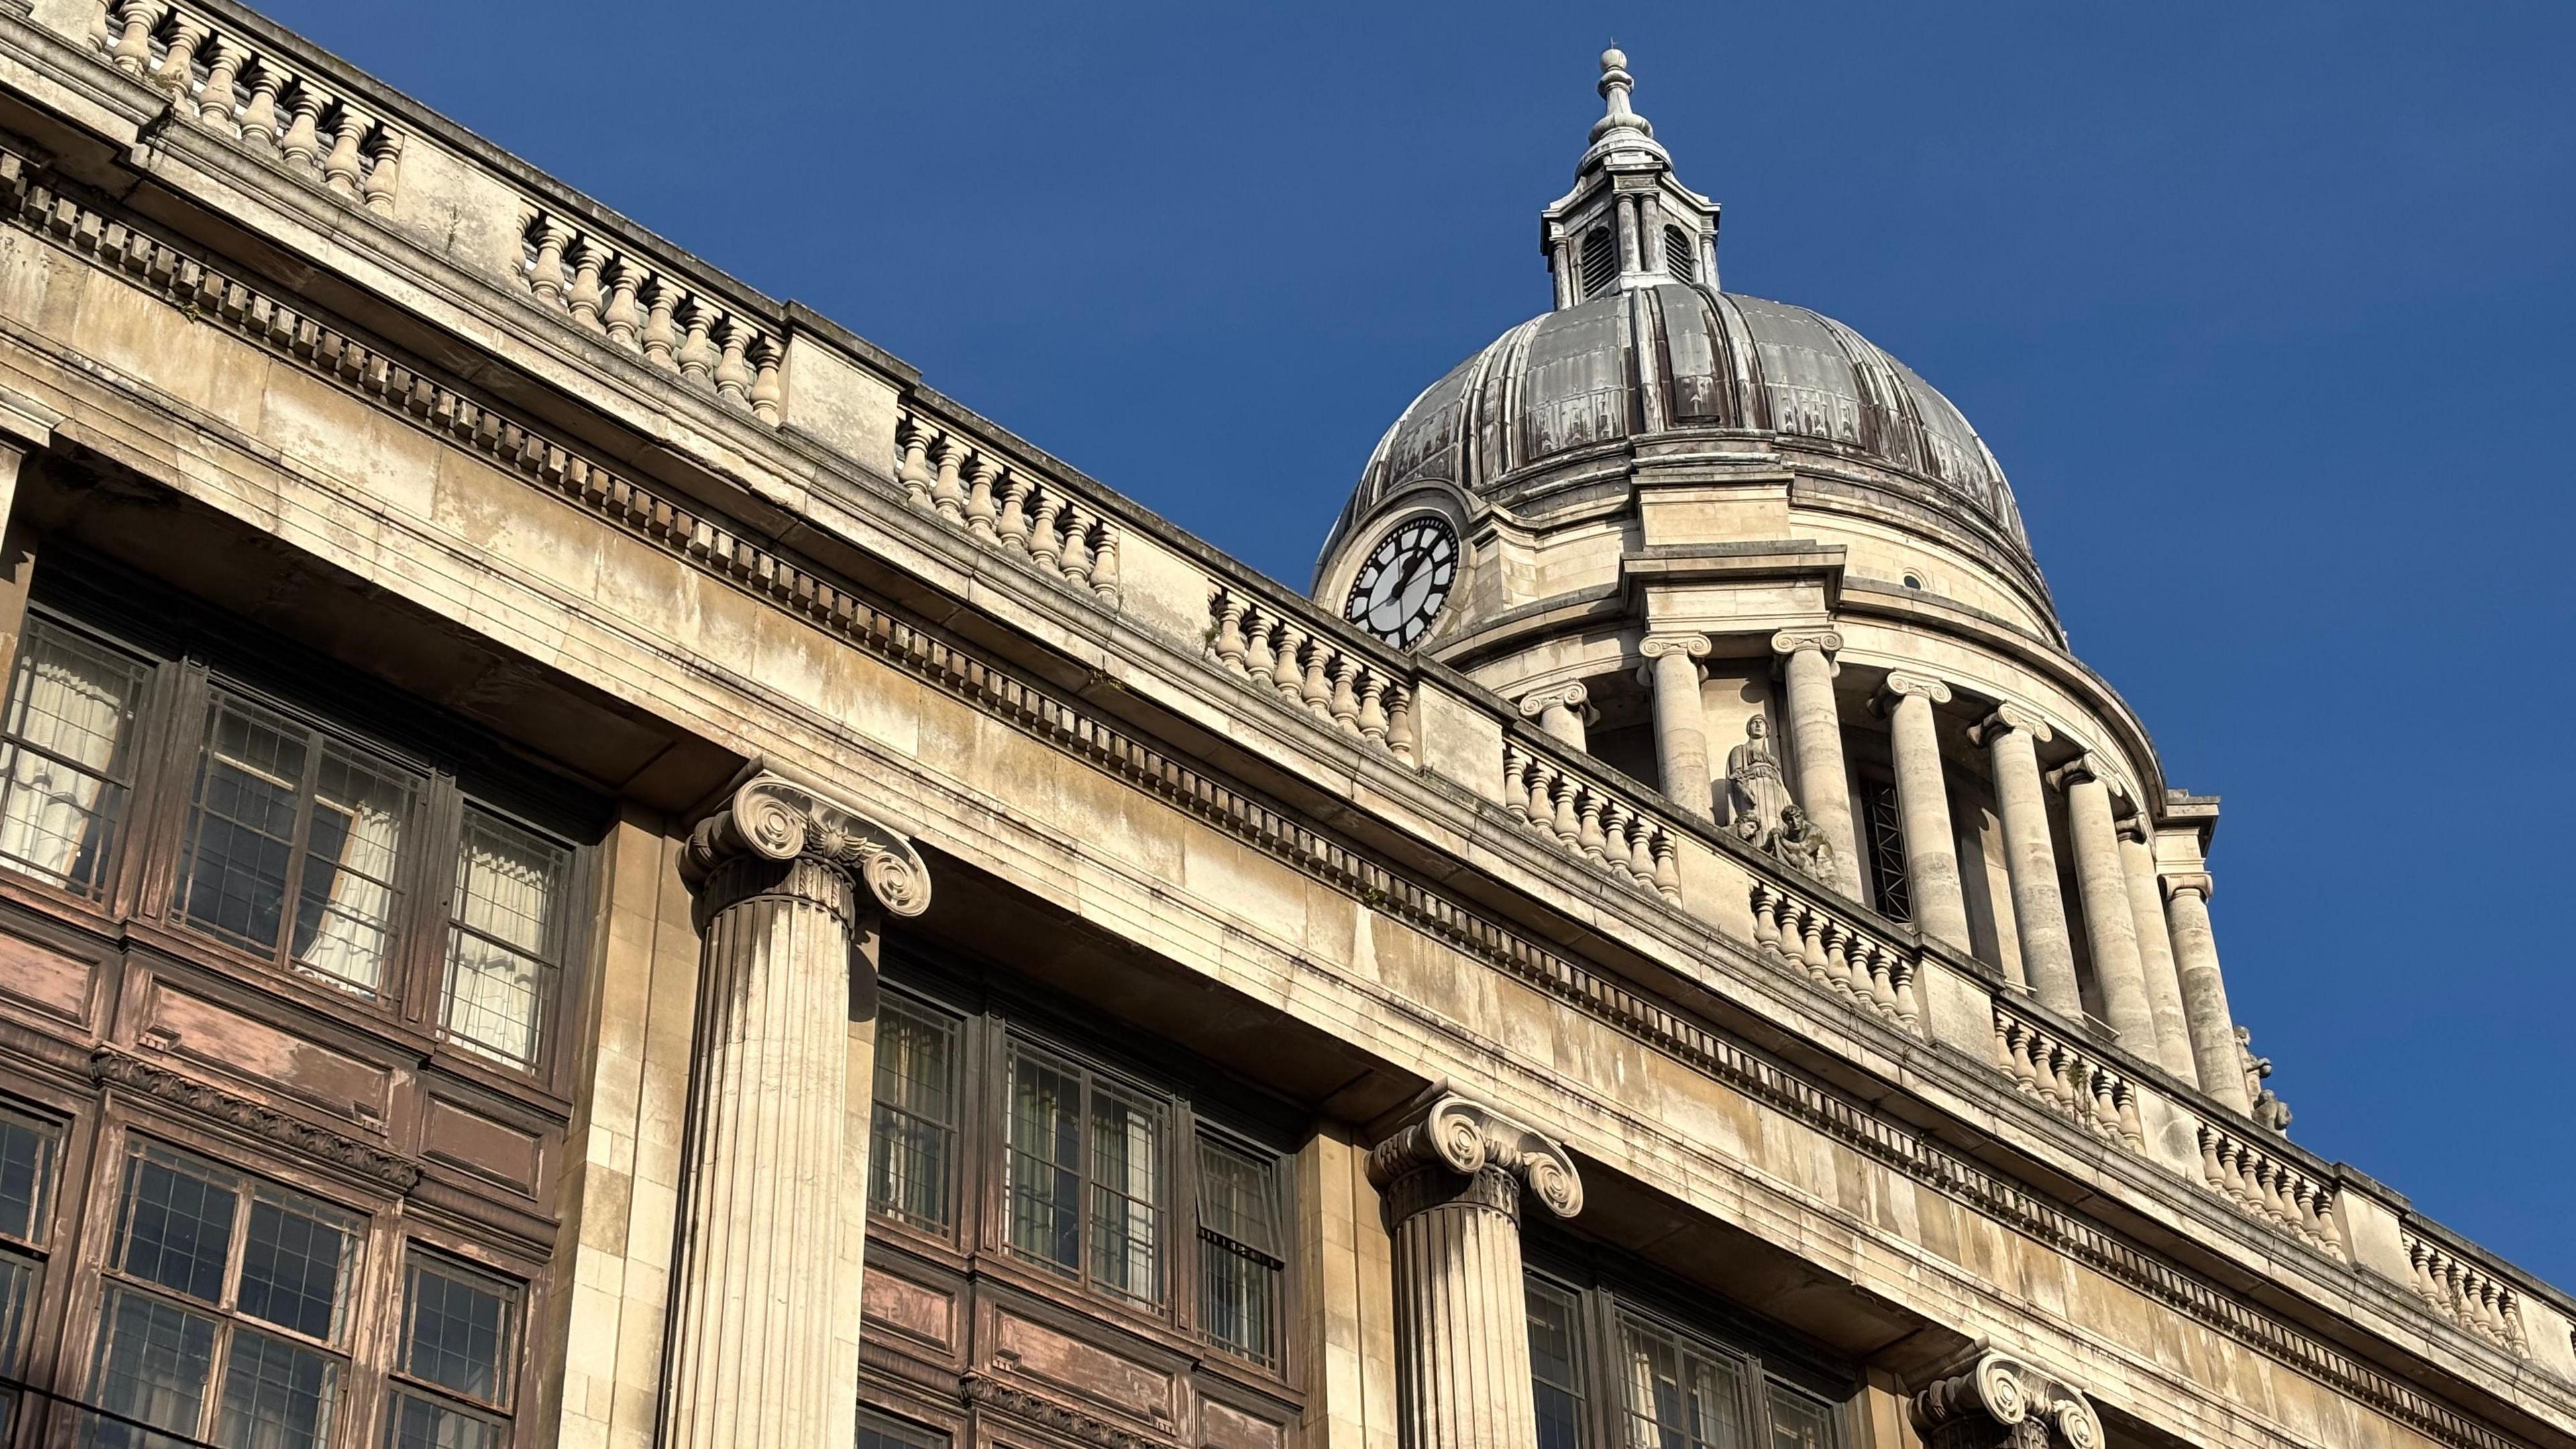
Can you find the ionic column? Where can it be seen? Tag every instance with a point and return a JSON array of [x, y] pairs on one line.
[[2108, 926], [1816, 743], [1559, 710], [2012, 737], [2000, 1402], [1923, 807], [1453, 1179], [2204, 994], [789, 887], [2155, 950], [1681, 726]]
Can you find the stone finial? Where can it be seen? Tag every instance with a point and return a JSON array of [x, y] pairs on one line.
[[1616, 84], [1999, 1402], [1468, 1142], [772, 818], [2007, 717]]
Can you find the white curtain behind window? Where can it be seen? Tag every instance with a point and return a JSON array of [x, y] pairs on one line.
[[72, 704], [352, 937], [495, 971]]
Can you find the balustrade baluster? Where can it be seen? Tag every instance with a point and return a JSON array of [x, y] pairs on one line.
[[947, 492], [1345, 702], [1229, 644], [661, 337], [133, 52], [223, 66], [259, 113], [697, 355], [300, 145], [1013, 524], [980, 511], [384, 171], [914, 470], [765, 390], [732, 374], [341, 170], [618, 315], [582, 297], [1373, 707], [1104, 566]]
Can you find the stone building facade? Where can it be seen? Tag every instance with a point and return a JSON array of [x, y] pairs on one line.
[[586, 861]]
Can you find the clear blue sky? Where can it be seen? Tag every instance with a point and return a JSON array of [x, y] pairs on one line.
[[2264, 309]]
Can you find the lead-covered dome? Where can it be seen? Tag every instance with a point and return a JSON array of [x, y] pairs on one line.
[[1673, 356]]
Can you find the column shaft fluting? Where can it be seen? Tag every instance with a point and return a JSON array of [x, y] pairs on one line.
[[1681, 725], [1453, 1181], [1923, 808], [760, 1210], [2039, 913], [2109, 927], [1816, 742], [2155, 954], [2204, 993]]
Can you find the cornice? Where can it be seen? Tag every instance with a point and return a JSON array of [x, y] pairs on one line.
[[713, 547]]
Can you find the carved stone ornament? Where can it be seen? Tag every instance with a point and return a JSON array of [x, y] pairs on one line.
[[1922, 685], [2269, 1111], [1802, 847], [111, 1067], [985, 1391], [1790, 641], [2000, 1401], [1461, 1138], [773, 818], [2194, 882], [1656, 646], [2008, 717], [1573, 696]]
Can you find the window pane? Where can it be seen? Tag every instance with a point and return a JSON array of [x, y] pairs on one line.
[[178, 1223], [19, 1276], [458, 1329], [1553, 1380], [878, 1432], [415, 1422], [912, 1127], [1239, 1263], [276, 1395], [345, 906], [26, 1176], [241, 831], [1799, 1422], [295, 1262], [152, 1364], [70, 715], [1045, 1186], [1127, 1194], [502, 947], [1677, 1396]]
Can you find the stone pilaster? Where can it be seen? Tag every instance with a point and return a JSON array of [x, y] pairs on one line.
[[1816, 744], [1559, 710], [2109, 927], [789, 888], [2000, 1402], [1681, 726], [2012, 737], [2204, 992], [2155, 950], [1453, 1178], [1923, 807]]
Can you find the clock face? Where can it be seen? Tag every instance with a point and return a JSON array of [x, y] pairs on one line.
[[1400, 589]]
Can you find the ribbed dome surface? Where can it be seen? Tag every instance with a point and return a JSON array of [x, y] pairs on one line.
[[1573, 378]]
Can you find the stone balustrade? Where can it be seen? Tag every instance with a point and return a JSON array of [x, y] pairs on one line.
[[1591, 820], [1307, 669], [2463, 1291], [1036, 520], [219, 78], [644, 307], [2269, 1186], [1861, 966], [2048, 1067]]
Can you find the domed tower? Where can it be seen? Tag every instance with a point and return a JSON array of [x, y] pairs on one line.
[[1734, 549]]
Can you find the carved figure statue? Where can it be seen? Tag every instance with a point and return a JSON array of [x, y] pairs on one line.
[[2269, 1111], [1756, 789], [1801, 846]]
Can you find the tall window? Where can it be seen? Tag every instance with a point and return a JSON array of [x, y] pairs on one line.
[[293, 842], [65, 748], [452, 1381], [226, 1311], [1085, 1176], [29, 1149], [1607, 1373], [506, 939], [1239, 1251], [1883, 829], [912, 1134]]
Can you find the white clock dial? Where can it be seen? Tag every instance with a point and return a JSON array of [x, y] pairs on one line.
[[1401, 588]]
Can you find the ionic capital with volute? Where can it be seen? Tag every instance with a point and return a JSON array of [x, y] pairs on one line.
[[1456, 1147], [2195, 883], [1569, 696], [2000, 1402], [2008, 717], [2084, 769], [1901, 685], [1656, 646], [771, 820], [1827, 642]]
